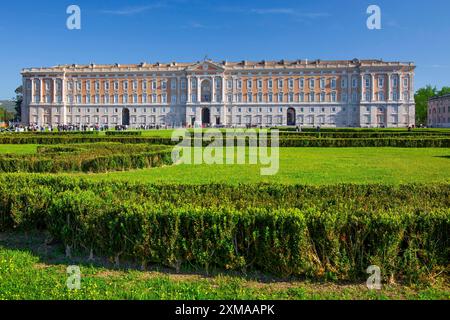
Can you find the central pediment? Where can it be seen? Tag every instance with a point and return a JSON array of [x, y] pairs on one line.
[[206, 67]]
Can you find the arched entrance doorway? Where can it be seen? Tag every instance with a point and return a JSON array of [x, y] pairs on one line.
[[291, 117], [125, 117], [206, 91], [206, 116]]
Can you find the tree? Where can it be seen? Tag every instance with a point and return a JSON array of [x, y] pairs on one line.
[[18, 101], [421, 97], [444, 91]]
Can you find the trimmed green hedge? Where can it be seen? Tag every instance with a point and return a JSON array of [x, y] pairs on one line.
[[403, 142], [101, 157], [124, 133], [338, 233]]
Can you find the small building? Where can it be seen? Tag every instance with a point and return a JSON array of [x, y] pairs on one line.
[[439, 112]]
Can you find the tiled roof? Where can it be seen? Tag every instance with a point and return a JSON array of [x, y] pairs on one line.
[[178, 66]]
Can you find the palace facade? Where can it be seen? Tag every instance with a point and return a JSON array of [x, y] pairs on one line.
[[350, 93], [439, 112]]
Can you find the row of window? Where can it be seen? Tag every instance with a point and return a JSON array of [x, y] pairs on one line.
[[323, 83], [440, 120], [116, 110], [439, 110], [239, 98], [106, 120]]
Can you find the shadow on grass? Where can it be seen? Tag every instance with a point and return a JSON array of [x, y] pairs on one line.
[[39, 244], [445, 157]]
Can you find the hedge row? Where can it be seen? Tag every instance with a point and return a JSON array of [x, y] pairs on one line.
[[309, 241], [392, 130], [360, 135], [406, 142], [124, 133], [87, 158]]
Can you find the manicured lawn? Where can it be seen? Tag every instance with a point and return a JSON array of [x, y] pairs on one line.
[[313, 166], [18, 148], [31, 270]]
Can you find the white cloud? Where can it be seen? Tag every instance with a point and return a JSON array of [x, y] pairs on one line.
[[276, 11], [129, 11]]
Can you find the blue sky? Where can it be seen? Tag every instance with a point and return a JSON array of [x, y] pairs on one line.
[[34, 33]]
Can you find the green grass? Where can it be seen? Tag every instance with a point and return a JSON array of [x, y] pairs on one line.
[[31, 270], [18, 148], [312, 166]]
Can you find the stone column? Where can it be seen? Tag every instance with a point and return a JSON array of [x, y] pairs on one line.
[[388, 85], [213, 89], [372, 86], [33, 89], [63, 101], [40, 115], [54, 91], [189, 83], [349, 99], [362, 89], [41, 90], [223, 90], [199, 92]]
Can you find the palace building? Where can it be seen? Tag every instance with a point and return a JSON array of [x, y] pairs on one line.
[[439, 112], [350, 93]]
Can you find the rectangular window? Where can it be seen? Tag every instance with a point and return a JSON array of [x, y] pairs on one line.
[[280, 84], [333, 83]]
